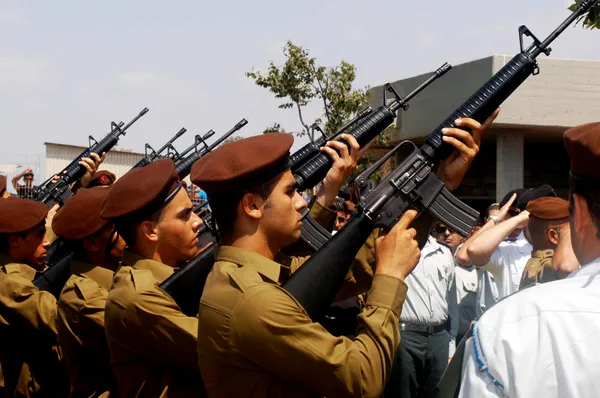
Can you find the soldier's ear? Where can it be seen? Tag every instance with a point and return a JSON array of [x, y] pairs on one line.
[[553, 236], [149, 230], [250, 205]]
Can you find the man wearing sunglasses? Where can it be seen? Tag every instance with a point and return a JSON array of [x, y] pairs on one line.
[[466, 279]]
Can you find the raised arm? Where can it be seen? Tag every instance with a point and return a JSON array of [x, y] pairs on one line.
[[484, 244]]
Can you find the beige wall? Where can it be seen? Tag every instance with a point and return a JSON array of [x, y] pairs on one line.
[[58, 156]]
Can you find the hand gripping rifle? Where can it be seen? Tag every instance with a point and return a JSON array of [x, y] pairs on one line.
[[151, 155], [184, 166], [413, 183], [186, 285], [57, 192]]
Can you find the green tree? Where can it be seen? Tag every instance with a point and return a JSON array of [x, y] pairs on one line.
[[231, 139], [592, 19], [300, 80]]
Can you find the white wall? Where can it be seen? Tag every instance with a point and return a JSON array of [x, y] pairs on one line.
[[58, 156]]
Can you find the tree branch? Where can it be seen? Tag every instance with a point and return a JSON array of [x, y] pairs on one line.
[[302, 119]]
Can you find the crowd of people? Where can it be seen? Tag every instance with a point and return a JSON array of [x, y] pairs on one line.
[[507, 311]]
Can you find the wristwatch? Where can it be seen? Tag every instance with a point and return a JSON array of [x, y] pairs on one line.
[[495, 219]]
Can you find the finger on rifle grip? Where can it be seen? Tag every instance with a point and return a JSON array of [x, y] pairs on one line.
[[407, 218]]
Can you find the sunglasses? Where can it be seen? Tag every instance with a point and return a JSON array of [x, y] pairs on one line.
[[441, 229]]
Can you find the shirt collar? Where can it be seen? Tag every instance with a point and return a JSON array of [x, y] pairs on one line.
[[245, 258], [160, 272], [431, 246], [590, 268], [100, 275], [542, 253], [24, 270]]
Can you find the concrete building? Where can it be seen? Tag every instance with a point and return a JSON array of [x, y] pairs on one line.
[[58, 156], [524, 147]]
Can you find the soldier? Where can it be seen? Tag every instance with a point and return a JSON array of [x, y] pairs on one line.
[[97, 252], [28, 348], [543, 341], [152, 343], [548, 224], [251, 330]]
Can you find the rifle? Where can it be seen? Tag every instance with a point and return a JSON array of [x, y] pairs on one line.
[[198, 139], [184, 166], [151, 155], [413, 183], [52, 193], [54, 278], [186, 285], [308, 151]]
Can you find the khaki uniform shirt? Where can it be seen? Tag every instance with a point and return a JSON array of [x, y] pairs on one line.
[[31, 360], [256, 340], [152, 343], [81, 331], [538, 269]]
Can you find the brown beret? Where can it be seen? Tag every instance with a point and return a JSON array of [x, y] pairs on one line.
[[242, 164], [19, 215], [583, 146], [154, 184], [2, 183], [549, 208], [102, 178], [79, 217]]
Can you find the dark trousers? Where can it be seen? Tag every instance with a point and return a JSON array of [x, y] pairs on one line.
[[418, 366]]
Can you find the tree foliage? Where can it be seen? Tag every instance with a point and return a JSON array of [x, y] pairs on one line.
[[300, 80], [592, 19]]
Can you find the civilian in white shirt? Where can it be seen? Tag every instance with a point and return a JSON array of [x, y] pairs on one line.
[[466, 279], [544, 341], [428, 325], [500, 247]]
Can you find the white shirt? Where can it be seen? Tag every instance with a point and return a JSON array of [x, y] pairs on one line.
[[431, 297], [487, 292], [542, 342], [507, 264], [466, 291]]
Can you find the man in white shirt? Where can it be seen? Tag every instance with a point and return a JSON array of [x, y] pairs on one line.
[[428, 325], [544, 341], [501, 248], [466, 279]]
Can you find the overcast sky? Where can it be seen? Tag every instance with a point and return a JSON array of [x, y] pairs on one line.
[[69, 67]]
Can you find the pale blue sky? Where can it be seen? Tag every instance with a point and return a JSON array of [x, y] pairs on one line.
[[69, 67]]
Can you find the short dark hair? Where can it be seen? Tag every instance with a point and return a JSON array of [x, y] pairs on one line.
[[591, 193], [224, 207], [127, 225]]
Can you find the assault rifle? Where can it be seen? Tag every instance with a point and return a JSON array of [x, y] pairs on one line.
[[185, 286], [52, 192], [184, 166], [198, 140], [308, 151], [413, 182], [151, 155]]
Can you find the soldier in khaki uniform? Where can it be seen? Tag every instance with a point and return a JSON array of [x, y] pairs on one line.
[[152, 343], [28, 348], [548, 225], [97, 251], [254, 339]]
